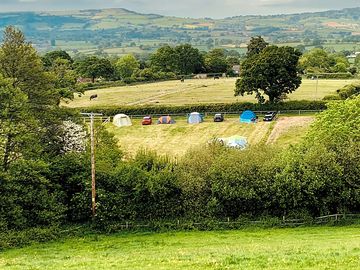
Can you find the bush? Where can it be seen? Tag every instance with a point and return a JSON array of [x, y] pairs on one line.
[[28, 198]]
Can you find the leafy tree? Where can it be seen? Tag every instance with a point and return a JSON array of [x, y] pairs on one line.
[[49, 58], [18, 128], [273, 72], [29, 100], [183, 59], [215, 61], [315, 61], [20, 63], [65, 78], [95, 67], [188, 59], [164, 59], [256, 45], [127, 65]]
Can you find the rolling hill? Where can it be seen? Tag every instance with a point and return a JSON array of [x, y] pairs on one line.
[[121, 30]]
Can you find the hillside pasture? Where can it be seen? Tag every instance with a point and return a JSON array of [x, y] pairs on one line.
[[175, 140], [296, 248], [193, 91]]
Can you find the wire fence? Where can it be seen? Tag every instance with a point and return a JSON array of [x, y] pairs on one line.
[[210, 114], [233, 224]]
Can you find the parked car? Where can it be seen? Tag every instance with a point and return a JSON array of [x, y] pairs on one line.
[[147, 120], [218, 117], [269, 116]]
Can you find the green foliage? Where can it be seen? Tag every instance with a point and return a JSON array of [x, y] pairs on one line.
[[94, 67], [256, 45], [28, 198], [182, 59], [215, 61], [49, 58], [319, 61], [126, 66], [215, 107], [349, 91], [272, 72]]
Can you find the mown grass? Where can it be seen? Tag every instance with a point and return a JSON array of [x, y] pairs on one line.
[[175, 140], [293, 248], [194, 92]]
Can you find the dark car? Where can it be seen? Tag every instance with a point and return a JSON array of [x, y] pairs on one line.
[[218, 117], [269, 116], [147, 120]]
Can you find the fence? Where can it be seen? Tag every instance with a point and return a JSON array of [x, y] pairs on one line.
[[271, 222], [207, 114]]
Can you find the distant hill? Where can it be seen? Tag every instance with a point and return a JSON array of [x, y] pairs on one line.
[[119, 30]]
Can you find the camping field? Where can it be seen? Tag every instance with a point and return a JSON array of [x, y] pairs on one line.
[[193, 91], [174, 140], [295, 248]]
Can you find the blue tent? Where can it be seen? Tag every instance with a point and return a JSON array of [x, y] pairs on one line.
[[195, 118], [248, 117]]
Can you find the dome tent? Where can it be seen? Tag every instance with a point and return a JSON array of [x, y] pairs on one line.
[[195, 118], [165, 120], [122, 120], [236, 141], [248, 117]]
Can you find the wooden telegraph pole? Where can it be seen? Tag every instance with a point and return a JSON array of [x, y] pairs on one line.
[[93, 172]]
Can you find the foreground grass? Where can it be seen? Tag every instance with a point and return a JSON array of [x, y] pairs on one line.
[[193, 92], [299, 248]]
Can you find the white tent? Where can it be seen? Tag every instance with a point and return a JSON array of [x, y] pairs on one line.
[[122, 120]]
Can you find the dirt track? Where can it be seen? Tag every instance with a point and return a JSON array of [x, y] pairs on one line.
[[283, 124]]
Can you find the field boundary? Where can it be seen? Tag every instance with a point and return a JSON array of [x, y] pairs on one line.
[[206, 114], [269, 222]]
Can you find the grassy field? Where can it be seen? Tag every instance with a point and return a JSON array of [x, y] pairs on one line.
[[193, 92], [175, 140], [296, 248]]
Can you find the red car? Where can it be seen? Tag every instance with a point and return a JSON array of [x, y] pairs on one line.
[[147, 120]]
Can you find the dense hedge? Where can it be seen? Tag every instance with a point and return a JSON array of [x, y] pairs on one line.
[[216, 107]]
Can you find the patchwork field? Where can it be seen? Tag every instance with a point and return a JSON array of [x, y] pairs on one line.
[[296, 248], [193, 92], [175, 140]]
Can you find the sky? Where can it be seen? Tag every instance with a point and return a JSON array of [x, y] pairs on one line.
[[184, 8]]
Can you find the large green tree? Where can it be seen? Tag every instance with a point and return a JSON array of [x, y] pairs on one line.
[[215, 61], [189, 59], [273, 72], [94, 67], [256, 45], [127, 65]]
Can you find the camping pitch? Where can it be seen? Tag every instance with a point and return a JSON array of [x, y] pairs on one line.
[[122, 120], [195, 118], [248, 117]]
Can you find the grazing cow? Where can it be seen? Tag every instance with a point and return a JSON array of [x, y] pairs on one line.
[[216, 77], [182, 79], [93, 96]]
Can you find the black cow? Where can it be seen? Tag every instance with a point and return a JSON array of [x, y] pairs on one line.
[[216, 77], [93, 96]]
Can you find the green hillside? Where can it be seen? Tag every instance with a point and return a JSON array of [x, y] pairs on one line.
[[118, 31]]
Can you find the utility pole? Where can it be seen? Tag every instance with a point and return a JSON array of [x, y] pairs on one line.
[[93, 172]]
